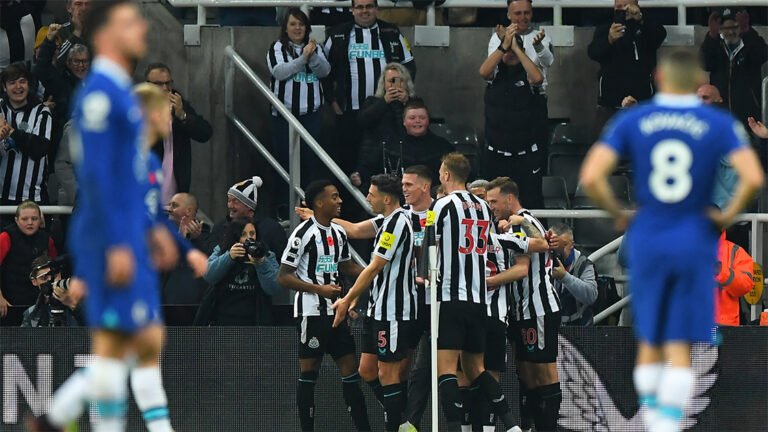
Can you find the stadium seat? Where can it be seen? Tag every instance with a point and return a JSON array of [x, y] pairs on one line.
[[571, 138], [567, 166], [555, 193], [620, 187], [594, 233]]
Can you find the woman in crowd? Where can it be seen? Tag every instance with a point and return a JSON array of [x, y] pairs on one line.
[[381, 118], [244, 280], [20, 244], [297, 64]]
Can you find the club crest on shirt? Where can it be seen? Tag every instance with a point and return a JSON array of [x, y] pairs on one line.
[[313, 343]]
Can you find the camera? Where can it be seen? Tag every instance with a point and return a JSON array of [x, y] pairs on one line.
[[57, 311], [255, 249]]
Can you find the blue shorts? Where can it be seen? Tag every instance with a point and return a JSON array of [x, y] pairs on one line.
[[127, 309], [672, 295]]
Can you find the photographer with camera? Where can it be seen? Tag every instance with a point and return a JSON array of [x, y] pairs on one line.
[[54, 306], [574, 278], [243, 275]]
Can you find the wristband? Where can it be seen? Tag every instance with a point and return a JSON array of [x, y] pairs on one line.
[[501, 48]]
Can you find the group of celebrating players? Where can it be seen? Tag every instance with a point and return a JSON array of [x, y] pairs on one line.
[[494, 266]]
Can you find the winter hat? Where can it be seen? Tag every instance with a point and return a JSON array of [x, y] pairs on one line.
[[247, 191]]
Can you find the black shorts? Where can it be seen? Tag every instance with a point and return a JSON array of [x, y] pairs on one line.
[[461, 326], [536, 338], [388, 340], [495, 345], [318, 337]]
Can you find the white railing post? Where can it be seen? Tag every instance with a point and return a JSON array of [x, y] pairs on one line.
[[557, 15], [681, 18], [294, 168], [202, 18], [431, 15]]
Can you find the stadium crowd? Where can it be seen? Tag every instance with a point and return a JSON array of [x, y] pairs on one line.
[[365, 72]]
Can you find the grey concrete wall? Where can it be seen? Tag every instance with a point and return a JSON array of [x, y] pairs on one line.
[[447, 79]]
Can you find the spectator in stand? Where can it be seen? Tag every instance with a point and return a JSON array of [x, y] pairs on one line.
[[710, 95], [72, 31], [243, 284], [734, 54], [65, 169], [60, 83], [381, 116], [42, 34], [733, 274], [758, 128], [359, 52], [626, 50], [479, 188], [25, 131], [515, 118], [20, 244], [537, 45], [40, 314], [175, 151], [182, 211], [19, 21], [574, 277], [241, 204], [419, 146], [297, 64]]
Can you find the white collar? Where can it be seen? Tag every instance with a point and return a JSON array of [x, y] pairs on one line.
[[676, 100], [112, 70]]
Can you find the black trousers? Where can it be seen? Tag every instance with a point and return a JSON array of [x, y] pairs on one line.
[[526, 170]]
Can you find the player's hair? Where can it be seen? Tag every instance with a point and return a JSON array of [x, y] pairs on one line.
[[421, 172], [97, 16], [152, 66], [314, 190], [506, 186], [561, 228], [458, 165], [479, 183], [233, 232], [437, 190], [388, 184], [682, 69], [415, 104], [151, 96]]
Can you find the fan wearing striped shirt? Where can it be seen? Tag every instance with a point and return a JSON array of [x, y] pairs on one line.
[[392, 305], [534, 308], [460, 224], [317, 251], [297, 64], [25, 139]]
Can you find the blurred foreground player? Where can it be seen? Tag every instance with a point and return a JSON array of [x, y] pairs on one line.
[[674, 144]]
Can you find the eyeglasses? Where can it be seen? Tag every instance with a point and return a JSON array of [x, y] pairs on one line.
[[365, 7], [77, 62], [163, 83]]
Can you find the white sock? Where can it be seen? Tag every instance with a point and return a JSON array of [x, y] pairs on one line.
[[69, 400], [672, 394], [147, 386], [108, 388], [647, 378]]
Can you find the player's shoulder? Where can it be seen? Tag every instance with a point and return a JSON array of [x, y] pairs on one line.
[[302, 228], [338, 228]]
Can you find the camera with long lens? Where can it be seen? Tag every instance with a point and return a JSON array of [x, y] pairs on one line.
[[57, 311], [255, 249]]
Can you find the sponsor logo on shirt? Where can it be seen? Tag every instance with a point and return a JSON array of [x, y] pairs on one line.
[[430, 218], [305, 77], [418, 238], [363, 51], [387, 240], [326, 264]]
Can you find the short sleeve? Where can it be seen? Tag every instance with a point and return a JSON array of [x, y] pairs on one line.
[[377, 222], [294, 250], [390, 236], [514, 242], [616, 134], [345, 255]]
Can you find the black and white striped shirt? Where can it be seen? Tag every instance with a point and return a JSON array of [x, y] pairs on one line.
[[294, 80], [534, 295], [24, 169], [366, 62], [499, 259], [315, 251], [462, 224], [393, 292]]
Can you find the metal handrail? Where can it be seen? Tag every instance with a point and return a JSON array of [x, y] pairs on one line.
[[8, 209], [765, 99]]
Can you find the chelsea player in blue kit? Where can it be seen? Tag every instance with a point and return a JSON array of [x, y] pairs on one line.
[[674, 144]]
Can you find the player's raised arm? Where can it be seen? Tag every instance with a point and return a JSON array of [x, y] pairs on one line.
[[744, 160], [598, 166], [355, 230]]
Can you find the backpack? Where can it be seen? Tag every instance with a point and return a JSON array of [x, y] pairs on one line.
[[607, 294]]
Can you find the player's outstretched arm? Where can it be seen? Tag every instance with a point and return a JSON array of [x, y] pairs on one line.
[[747, 166], [598, 165], [514, 273], [355, 230], [361, 284]]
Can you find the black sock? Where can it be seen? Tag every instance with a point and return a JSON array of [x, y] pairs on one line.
[[353, 397], [474, 406], [491, 389], [464, 398], [404, 386], [375, 386], [394, 403], [449, 397], [305, 399], [526, 407], [548, 407]]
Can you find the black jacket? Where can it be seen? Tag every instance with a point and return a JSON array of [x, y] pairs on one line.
[[16, 266], [739, 79], [381, 123], [336, 84], [400, 154], [59, 83], [626, 66], [194, 127]]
